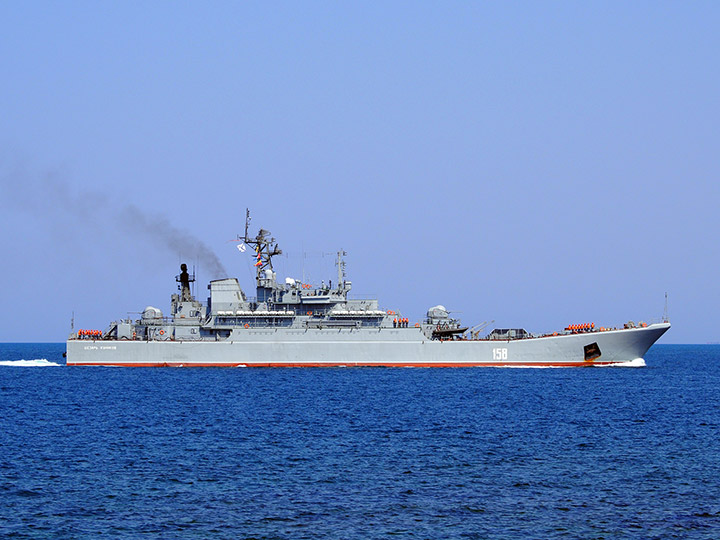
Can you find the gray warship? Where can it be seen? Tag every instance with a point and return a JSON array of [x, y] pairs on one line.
[[297, 324]]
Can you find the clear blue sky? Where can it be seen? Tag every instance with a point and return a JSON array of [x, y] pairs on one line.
[[538, 164]]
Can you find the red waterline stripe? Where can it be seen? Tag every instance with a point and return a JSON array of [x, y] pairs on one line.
[[341, 364]]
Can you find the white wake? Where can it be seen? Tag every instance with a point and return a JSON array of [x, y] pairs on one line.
[[39, 362], [638, 362]]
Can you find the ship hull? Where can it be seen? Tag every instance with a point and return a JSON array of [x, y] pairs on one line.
[[389, 347]]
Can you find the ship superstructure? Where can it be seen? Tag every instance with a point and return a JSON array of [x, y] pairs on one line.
[[294, 323]]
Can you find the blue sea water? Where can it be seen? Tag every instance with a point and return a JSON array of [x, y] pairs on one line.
[[478, 453]]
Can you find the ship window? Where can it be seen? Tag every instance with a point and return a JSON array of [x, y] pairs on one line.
[[592, 352]]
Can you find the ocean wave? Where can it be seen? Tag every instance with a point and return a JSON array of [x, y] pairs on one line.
[[38, 362], [528, 366]]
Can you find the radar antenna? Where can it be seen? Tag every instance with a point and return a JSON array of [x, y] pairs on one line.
[[264, 245]]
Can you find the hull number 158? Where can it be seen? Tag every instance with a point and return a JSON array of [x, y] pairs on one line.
[[500, 354]]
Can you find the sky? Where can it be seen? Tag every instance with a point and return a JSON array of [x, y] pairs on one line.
[[534, 164]]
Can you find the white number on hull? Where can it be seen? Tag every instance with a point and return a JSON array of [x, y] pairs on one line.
[[500, 354]]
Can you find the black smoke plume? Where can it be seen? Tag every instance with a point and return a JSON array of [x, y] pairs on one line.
[[51, 195]]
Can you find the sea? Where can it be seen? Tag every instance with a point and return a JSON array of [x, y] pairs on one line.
[[360, 453]]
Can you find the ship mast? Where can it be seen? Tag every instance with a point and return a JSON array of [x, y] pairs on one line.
[[341, 268], [264, 245]]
